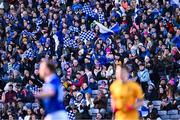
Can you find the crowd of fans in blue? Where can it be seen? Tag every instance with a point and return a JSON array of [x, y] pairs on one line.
[[64, 31]]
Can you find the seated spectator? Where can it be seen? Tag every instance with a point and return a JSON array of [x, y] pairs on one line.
[[76, 67], [11, 117], [89, 100], [93, 84], [144, 77], [166, 104], [19, 94], [33, 117], [151, 92], [99, 116], [85, 89], [78, 100], [29, 97], [28, 114], [26, 77], [161, 93], [84, 110], [81, 77], [100, 102], [177, 99], [30, 85], [153, 112], [41, 114], [10, 96]]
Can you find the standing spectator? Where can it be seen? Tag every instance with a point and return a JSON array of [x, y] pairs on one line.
[[144, 77]]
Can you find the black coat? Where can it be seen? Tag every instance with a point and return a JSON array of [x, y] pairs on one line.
[[153, 114]]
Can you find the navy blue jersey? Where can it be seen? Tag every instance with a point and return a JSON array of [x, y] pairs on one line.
[[54, 103]]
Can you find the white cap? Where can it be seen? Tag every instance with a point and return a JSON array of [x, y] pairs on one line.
[[140, 44], [146, 57], [1, 5], [124, 14], [116, 1], [12, 7]]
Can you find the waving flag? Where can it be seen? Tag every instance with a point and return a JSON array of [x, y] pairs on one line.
[[88, 11], [106, 32], [70, 42], [102, 28], [86, 36], [136, 9], [177, 2], [115, 28]]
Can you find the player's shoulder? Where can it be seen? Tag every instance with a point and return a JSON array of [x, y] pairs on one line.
[[133, 84], [55, 79], [114, 85]]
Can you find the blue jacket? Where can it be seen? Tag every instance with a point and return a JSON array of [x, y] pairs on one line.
[[87, 90], [144, 75], [176, 41]]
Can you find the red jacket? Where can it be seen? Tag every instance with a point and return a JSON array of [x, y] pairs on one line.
[[80, 82], [10, 96]]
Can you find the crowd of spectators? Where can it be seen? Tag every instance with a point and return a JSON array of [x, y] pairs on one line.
[[148, 43]]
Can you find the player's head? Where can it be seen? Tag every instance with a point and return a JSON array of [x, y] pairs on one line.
[[46, 68], [122, 73]]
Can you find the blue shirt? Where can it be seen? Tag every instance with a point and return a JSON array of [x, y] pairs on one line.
[[54, 103]]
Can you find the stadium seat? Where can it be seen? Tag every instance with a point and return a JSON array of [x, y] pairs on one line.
[[108, 108], [145, 102], [162, 112], [175, 117], [172, 112], [1, 106], [94, 111], [94, 93], [157, 107], [165, 117], [156, 103], [100, 82], [109, 101]]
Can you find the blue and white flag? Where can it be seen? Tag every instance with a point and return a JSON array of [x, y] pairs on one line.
[[70, 42], [86, 36], [101, 17], [177, 2], [71, 115], [103, 29], [136, 9], [88, 11], [106, 32], [27, 33]]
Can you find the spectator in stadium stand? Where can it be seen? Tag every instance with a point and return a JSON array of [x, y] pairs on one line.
[[100, 102], [85, 89], [144, 77], [151, 92], [153, 112], [10, 95]]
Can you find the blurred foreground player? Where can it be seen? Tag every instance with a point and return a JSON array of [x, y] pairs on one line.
[[127, 96], [52, 93]]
